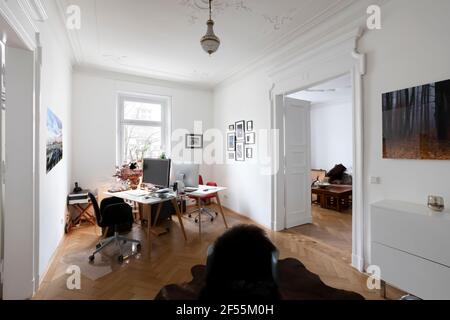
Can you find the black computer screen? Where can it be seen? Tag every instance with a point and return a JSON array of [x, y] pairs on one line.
[[157, 172]]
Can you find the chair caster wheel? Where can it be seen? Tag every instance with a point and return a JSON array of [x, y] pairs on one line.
[[91, 258], [212, 219], [124, 242], [120, 259], [196, 220], [190, 216], [98, 246], [138, 247], [217, 214]]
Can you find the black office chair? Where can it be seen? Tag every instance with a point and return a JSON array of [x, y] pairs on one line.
[[113, 212]]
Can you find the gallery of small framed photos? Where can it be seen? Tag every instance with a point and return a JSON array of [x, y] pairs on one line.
[[241, 140]]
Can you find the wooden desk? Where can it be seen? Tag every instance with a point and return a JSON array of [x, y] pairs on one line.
[[145, 200], [205, 191], [334, 197]]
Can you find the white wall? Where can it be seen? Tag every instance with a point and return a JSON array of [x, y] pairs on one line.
[[331, 135], [412, 48], [56, 88], [249, 189], [95, 119]]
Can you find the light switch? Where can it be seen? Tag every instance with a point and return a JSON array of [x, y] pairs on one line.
[[375, 180]]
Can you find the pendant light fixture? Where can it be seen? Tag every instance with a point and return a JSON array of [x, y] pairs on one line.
[[210, 42]]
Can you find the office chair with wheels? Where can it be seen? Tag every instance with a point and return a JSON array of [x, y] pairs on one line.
[[113, 213], [205, 211]]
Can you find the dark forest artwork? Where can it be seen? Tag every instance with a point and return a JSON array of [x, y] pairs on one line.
[[416, 122]]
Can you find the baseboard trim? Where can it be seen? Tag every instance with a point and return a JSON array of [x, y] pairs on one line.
[[50, 262]]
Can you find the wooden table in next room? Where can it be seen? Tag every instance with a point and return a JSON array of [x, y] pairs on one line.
[[334, 197]]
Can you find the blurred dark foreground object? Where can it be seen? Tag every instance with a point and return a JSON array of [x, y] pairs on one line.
[[295, 282]]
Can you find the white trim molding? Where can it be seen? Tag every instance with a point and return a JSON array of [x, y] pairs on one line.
[[36, 9], [358, 71], [22, 16], [326, 61]]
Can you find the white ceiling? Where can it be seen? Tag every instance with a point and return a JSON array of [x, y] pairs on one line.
[[161, 38], [335, 90]]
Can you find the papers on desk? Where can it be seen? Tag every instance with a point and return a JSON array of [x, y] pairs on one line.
[[137, 193]]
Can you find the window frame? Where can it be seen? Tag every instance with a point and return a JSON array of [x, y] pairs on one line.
[[164, 124]]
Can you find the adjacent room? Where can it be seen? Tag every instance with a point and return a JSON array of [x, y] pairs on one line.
[[331, 127], [219, 149]]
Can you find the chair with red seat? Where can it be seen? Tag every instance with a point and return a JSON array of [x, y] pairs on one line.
[[203, 201]]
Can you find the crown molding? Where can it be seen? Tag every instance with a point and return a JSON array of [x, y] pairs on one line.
[[313, 33], [74, 42], [36, 9], [80, 60], [280, 43], [309, 40], [118, 75], [19, 19]]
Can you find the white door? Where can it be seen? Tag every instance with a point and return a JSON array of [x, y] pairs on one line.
[[297, 148]]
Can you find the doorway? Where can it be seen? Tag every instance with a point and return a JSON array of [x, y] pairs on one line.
[[330, 61], [330, 152]]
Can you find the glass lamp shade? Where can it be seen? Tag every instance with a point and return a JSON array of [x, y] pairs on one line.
[[210, 42]]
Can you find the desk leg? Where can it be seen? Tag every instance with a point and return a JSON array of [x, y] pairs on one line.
[[221, 210], [158, 212], [177, 209]]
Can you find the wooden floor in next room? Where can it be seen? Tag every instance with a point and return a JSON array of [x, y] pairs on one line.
[[331, 229], [172, 258]]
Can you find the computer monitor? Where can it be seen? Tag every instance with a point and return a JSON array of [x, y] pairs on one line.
[[188, 173], [157, 172]]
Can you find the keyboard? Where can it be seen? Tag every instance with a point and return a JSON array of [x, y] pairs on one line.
[[190, 189], [162, 191]]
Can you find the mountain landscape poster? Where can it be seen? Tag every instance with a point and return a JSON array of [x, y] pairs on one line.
[[416, 122], [54, 140]]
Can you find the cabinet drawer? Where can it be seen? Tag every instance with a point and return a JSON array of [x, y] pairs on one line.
[[418, 276]]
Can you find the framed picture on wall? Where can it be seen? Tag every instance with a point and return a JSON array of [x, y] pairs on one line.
[[231, 127], [250, 138], [240, 130], [231, 141], [249, 153], [249, 125], [231, 156], [54, 140], [240, 156], [194, 141]]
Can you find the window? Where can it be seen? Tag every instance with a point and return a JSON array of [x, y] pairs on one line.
[[143, 128]]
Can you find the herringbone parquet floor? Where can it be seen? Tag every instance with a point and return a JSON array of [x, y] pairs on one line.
[[171, 259], [330, 228]]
